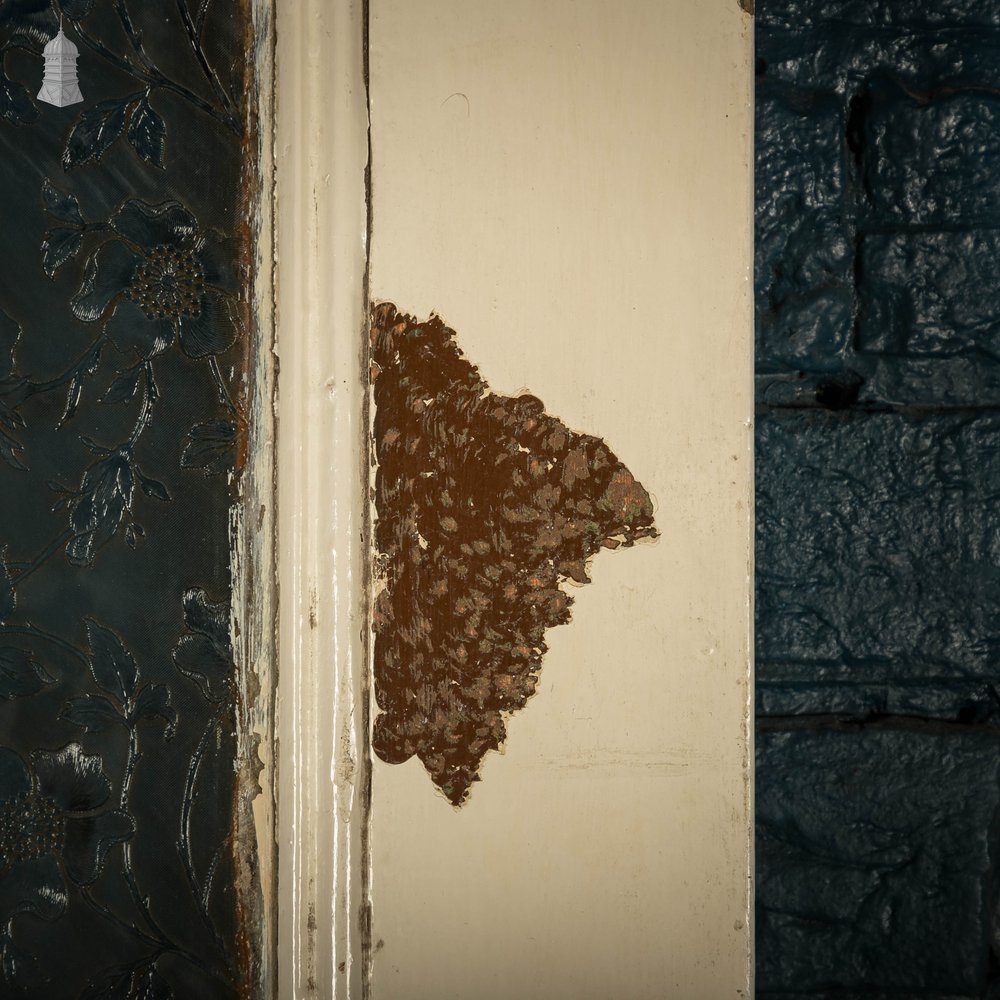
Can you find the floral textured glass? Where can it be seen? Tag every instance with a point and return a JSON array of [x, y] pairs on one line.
[[124, 335]]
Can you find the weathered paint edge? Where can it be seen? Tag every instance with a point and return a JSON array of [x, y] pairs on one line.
[[253, 539]]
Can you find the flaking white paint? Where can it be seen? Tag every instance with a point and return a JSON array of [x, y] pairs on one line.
[[253, 527]]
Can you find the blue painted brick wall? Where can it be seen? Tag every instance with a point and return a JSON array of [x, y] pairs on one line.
[[878, 495]]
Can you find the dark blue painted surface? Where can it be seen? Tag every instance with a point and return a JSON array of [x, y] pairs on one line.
[[878, 451]]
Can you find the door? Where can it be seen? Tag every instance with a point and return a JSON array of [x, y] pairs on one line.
[[375, 569], [535, 785]]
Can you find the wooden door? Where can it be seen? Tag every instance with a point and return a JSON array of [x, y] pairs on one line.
[[567, 186]]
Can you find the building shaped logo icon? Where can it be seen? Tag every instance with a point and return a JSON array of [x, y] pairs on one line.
[[60, 86]]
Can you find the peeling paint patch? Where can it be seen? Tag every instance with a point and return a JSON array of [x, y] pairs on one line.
[[747, 5]]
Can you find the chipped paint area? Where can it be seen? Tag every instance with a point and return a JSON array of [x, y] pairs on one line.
[[486, 506], [252, 537]]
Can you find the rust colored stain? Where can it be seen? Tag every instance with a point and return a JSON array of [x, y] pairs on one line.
[[485, 505]]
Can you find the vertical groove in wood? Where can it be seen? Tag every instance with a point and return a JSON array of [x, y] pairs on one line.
[[366, 476]]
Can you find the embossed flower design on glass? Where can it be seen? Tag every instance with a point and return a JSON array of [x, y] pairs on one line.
[[158, 279], [205, 653], [53, 827]]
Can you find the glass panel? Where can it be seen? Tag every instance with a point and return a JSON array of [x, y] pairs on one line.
[[124, 339]]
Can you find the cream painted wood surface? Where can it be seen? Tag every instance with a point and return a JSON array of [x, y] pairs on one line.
[[320, 153], [568, 185]]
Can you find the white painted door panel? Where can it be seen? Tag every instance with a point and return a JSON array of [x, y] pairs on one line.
[[568, 185]]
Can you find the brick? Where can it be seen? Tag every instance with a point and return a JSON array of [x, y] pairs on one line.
[[803, 253], [968, 380], [947, 700], [799, 150], [812, 330], [878, 556], [804, 293], [930, 159], [865, 995], [875, 853], [832, 15], [931, 294], [929, 319], [842, 58]]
